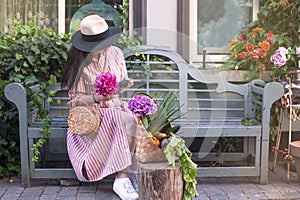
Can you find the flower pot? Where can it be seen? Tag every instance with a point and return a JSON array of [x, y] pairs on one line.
[[295, 151]]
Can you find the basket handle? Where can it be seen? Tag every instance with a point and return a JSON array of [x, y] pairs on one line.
[[142, 93]]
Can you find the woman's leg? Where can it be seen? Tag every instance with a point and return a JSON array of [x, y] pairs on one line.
[[123, 180], [130, 122]]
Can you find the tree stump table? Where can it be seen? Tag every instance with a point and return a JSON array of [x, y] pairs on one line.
[[160, 181]]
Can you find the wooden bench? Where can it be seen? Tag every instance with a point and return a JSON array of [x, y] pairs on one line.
[[214, 109]]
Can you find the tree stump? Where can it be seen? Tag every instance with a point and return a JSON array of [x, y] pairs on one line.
[[160, 181]]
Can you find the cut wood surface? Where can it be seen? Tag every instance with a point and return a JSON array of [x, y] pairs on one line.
[[160, 181]]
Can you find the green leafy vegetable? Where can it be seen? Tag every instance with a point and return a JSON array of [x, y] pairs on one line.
[[177, 147], [166, 111]]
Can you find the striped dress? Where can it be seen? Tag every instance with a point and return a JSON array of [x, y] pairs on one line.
[[107, 151]]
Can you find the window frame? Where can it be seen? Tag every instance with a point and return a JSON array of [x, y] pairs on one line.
[[61, 16], [198, 59]]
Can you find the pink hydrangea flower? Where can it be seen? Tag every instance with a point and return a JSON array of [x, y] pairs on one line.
[[105, 84]]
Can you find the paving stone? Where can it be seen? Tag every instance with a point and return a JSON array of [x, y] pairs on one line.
[[14, 190], [50, 190], [32, 192], [236, 188], [66, 198], [202, 196], [2, 191], [292, 194], [231, 188], [104, 194], [87, 189], [105, 185], [68, 191], [10, 196], [26, 198], [237, 196], [48, 197], [270, 191], [85, 196], [255, 195], [219, 196]]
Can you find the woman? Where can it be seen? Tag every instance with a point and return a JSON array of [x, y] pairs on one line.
[[109, 150]]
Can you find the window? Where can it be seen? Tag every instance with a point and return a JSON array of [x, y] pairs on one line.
[[213, 23]]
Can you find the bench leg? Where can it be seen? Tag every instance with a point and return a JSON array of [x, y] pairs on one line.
[[264, 163]]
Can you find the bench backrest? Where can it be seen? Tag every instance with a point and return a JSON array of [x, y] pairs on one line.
[[202, 95]]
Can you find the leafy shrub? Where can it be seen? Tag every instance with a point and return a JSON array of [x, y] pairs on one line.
[[29, 55]]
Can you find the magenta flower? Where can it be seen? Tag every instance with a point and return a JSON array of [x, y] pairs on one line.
[[105, 84], [243, 38], [142, 105], [279, 57]]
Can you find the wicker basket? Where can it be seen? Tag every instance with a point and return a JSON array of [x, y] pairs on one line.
[[83, 120], [146, 150]]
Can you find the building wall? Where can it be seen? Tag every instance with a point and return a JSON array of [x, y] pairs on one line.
[[162, 23], [22, 10]]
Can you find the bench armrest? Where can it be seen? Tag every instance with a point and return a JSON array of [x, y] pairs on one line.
[[16, 93]]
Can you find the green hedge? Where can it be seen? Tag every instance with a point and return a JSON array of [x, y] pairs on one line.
[[29, 54]]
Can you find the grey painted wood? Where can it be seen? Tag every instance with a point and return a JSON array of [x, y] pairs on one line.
[[16, 93], [215, 107]]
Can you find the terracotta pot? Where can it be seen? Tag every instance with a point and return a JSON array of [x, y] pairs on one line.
[[295, 151]]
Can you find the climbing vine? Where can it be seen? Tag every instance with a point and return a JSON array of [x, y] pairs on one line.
[[29, 54]]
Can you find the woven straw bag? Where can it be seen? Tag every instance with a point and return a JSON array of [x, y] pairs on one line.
[[146, 150], [83, 119]]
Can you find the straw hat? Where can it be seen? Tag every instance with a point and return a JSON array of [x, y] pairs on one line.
[[94, 34]]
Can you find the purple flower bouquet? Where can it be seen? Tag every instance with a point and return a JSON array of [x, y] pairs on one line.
[[105, 84], [142, 105]]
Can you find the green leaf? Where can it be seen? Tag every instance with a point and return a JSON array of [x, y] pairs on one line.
[[31, 80], [19, 56], [52, 80], [52, 93]]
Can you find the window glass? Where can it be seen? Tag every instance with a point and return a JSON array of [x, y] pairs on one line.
[[73, 5], [219, 20]]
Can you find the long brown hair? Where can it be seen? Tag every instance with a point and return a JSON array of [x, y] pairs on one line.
[[76, 59]]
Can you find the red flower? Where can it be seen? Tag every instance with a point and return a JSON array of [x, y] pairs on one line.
[[243, 38], [270, 37], [265, 45], [262, 53], [254, 55], [257, 29], [249, 47], [242, 55]]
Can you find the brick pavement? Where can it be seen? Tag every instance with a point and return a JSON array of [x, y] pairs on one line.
[[208, 189]]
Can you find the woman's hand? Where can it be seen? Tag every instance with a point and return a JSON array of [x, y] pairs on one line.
[[105, 98]]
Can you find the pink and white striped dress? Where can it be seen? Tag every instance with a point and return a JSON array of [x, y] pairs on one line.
[[107, 151]]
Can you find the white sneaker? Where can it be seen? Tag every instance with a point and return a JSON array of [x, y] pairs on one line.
[[134, 181], [123, 187]]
